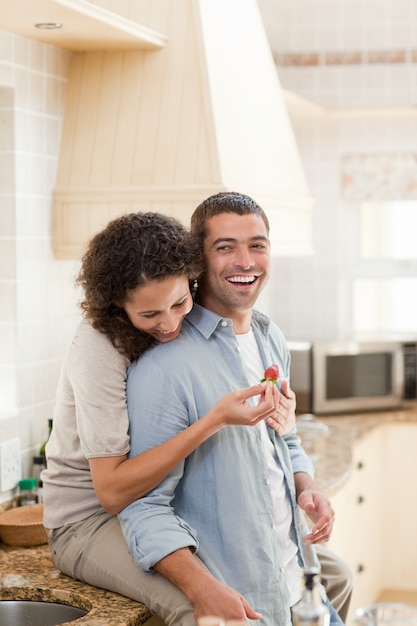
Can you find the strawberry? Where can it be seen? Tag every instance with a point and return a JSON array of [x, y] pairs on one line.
[[271, 373]]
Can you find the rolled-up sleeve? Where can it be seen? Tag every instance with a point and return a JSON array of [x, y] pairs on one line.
[[152, 530], [150, 526], [300, 461]]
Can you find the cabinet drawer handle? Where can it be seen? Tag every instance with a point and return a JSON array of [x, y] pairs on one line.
[[361, 499], [360, 465], [360, 568]]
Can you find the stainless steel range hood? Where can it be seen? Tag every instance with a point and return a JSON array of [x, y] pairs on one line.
[[163, 129]]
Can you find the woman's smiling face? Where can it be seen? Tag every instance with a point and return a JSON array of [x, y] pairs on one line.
[[159, 307]]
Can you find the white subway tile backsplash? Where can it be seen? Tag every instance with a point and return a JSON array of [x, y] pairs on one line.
[[36, 56], [7, 216], [21, 80], [7, 172], [7, 261], [7, 342], [23, 173], [8, 302], [8, 389], [36, 76]]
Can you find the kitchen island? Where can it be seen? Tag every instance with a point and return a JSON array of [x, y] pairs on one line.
[[345, 456]]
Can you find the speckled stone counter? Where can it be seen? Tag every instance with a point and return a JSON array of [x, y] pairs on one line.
[[29, 574], [331, 451]]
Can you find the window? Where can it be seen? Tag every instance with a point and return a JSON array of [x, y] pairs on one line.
[[383, 266]]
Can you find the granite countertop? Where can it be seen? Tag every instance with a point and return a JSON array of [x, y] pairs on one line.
[[331, 451], [29, 574]]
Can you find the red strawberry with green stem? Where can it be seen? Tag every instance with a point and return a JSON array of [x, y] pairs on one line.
[[271, 373]]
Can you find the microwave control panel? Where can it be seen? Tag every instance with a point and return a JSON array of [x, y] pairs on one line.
[[410, 371]]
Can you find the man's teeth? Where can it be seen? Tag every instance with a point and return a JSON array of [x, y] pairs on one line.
[[241, 279]]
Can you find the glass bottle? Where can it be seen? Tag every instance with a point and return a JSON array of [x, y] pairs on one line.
[[27, 491], [310, 610], [38, 465], [43, 446]]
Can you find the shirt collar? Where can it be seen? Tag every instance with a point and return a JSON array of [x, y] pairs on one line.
[[206, 321]]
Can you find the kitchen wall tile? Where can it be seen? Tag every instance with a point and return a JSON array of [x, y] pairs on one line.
[[36, 59], [7, 342], [8, 299], [7, 217], [7, 172], [36, 75], [6, 74], [6, 130], [33, 220], [6, 46], [31, 344], [6, 98], [31, 299], [23, 173], [7, 258], [8, 393], [21, 79], [37, 92], [22, 129], [21, 47]]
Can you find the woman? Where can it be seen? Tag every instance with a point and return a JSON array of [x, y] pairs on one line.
[[135, 276]]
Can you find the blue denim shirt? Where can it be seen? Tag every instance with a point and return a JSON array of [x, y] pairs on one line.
[[218, 500]]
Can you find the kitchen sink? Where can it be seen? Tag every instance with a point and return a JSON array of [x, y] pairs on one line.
[[34, 613]]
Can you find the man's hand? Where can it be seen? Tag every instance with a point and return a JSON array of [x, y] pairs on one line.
[[218, 599], [283, 420], [316, 506], [208, 595]]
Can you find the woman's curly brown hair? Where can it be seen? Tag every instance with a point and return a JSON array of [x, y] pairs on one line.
[[132, 250]]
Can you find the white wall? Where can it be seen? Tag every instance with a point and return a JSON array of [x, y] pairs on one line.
[[360, 55], [37, 312]]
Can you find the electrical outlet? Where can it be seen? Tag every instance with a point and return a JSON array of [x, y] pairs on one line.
[[10, 464]]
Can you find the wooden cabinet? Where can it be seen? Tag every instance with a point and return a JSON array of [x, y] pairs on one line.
[[360, 507], [399, 549]]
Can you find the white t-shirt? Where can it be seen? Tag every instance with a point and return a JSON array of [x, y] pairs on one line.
[[282, 507]]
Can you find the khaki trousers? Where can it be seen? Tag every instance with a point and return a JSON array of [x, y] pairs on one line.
[[337, 579], [95, 551]]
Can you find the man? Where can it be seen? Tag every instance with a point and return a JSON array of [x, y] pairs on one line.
[[238, 499]]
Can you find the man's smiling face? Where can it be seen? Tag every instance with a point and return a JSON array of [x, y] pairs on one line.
[[237, 257]]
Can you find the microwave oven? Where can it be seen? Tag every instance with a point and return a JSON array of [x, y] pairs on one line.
[[351, 376]]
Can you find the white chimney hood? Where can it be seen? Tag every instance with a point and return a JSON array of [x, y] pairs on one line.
[[162, 129]]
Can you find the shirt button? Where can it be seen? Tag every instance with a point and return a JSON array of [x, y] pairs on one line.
[[267, 481], [224, 323]]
